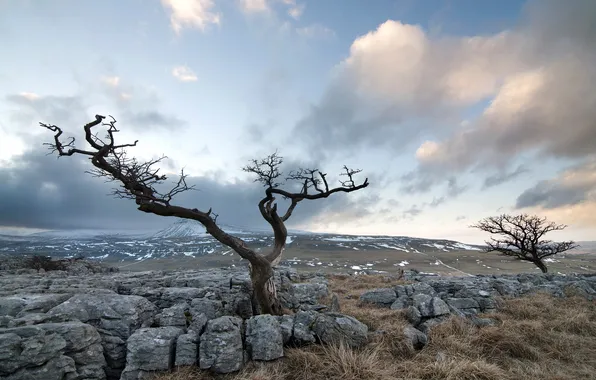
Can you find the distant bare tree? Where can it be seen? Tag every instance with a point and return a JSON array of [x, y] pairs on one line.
[[521, 237], [138, 181]]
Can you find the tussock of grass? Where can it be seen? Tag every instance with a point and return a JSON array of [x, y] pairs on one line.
[[536, 337]]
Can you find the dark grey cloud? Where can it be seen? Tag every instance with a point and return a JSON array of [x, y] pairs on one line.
[[151, 119], [503, 176], [41, 191], [460, 218], [574, 186], [344, 120], [29, 109], [412, 212]]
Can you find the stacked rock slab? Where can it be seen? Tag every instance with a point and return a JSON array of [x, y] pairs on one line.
[[131, 325], [429, 300]]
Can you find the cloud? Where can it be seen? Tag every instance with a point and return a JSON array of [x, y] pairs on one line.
[[412, 212], [399, 83], [503, 176], [112, 81], [545, 104], [41, 191], [184, 74], [139, 107], [254, 6], [191, 13], [296, 11], [315, 31], [574, 186]]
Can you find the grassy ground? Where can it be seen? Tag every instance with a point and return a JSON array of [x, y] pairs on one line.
[[445, 263], [538, 337]]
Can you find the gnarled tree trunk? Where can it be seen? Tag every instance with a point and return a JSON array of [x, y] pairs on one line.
[[264, 298], [541, 265]]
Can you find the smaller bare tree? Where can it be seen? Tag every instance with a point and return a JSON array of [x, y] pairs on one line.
[[521, 237]]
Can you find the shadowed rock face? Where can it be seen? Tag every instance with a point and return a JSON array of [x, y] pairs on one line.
[[129, 325]]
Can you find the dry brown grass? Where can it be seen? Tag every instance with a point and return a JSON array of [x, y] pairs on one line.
[[537, 337]]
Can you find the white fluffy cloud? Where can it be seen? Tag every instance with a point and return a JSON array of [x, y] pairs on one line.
[[254, 6], [184, 74], [191, 13]]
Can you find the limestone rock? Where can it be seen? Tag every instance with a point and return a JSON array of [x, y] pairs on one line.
[[150, 349], [415, 337], [187, 350], [336, 327], [264, 338], [221, 348], [383, 297]]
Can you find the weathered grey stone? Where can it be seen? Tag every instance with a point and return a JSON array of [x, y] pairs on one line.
[[24, 348], [114, 349], [309, 293], [413, 315], [422, 288], [12, 305], [400, 291], [187, 350], [19, 305], [426, 325], [335, 328], [430, 306], [286, 324], [197, 324], [463, 303], [303, 322], [383, 297], [401, 303], [174, 296], [150, 349], [117, 313], [173, 316], [5, 321], [57, 368], [415, 337], [264, 338], [211, 308], [506, 287], [221, 348]]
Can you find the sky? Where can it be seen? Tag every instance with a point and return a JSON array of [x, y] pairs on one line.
[[455, 110]]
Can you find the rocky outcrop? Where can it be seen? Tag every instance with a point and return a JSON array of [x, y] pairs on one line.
[[430, 300], [129, 325]]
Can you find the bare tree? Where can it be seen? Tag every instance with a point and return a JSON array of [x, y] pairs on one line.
[[138, 181], [521, 237]]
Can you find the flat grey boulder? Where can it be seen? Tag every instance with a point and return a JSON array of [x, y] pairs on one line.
[[19, 305], [430, 306], [150, 349], [221, 349], [309, 293], [334, 328], [187, 350], [118, 313], [302, 333], [42, 348], [210, 308], [264, 338], [383, 297], [58, 368], [414, 337], [286, 325], [173, 316]]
